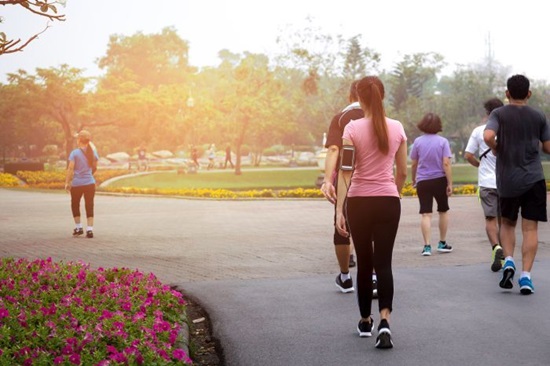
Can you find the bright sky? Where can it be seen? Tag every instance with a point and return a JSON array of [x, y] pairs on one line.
[[458, 30]]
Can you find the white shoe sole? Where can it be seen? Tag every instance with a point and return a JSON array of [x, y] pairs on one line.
[[345, 290]]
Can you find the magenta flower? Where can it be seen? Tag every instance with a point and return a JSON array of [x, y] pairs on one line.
[[4, 313], [74, 359], [179, 354]]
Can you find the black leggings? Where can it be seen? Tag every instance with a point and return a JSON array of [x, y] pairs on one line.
[[76, 194], [374, 220]]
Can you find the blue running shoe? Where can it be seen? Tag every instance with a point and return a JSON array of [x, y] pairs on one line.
[[526, 286], [444, 247], [507, 275], [427, 250]]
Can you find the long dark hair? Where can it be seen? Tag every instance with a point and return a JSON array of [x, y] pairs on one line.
[[370, 91], [89, 153]]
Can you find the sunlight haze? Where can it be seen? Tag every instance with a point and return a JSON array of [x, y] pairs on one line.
[[459, 32]]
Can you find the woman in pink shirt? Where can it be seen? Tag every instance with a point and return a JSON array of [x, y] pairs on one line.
[[372, 202]]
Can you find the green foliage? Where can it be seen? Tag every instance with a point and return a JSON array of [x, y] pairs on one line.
[[149, 95]]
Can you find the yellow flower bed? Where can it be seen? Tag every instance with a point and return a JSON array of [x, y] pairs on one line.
[[8, 180], [56, 180], [465, 189], [42, 178], [201, 193]]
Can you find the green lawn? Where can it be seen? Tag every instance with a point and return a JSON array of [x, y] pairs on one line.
[[278, 178], [250, 179]]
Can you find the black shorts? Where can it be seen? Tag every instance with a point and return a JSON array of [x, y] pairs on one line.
[[532, 204], [429, 189]]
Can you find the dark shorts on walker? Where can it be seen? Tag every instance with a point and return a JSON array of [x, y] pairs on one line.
[[532, 204], [429, 189]]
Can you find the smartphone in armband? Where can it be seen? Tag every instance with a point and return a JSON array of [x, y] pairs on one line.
[[347, 157]]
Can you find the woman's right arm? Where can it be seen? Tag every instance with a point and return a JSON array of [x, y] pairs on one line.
[[448, 174], [414, 167], [401, 166], [69, 176]]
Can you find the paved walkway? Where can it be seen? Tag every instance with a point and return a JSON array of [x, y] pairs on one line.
[[264, 270]]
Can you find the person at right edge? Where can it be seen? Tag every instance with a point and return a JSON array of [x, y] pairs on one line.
[[515, 133], [487, 183], [369, 196]]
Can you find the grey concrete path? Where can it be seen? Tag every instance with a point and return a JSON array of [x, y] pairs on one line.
[[264, 270]]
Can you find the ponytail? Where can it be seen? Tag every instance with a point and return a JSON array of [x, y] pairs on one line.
[[89, 153], [370, 91]]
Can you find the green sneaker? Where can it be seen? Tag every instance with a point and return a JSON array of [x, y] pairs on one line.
[[497, 258]]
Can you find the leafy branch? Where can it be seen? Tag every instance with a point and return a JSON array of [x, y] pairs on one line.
[[38, 7]]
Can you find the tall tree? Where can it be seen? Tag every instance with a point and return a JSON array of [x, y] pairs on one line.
[[150, 60], [251, 103], [461, 98], [325, 65], [359, 61], [64, 98], [145, 87], [411, 86], [20, 115]]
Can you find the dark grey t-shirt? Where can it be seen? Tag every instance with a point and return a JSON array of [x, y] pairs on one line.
[[519, 131]]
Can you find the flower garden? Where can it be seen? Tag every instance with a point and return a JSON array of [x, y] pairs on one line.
[[56, 180], [69, 314]]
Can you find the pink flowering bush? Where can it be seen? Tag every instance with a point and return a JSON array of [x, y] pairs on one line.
[[69, 314]]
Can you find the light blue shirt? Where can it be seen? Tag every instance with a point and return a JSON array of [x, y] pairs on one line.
[[82, 170]]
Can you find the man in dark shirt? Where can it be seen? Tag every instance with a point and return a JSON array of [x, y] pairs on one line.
[[515, 133], [342, 245]]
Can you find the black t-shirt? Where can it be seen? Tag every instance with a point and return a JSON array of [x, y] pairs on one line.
[[519, 131], [339, 121]]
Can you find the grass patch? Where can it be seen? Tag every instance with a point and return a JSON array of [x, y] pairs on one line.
[[250, 179], [278, 178]]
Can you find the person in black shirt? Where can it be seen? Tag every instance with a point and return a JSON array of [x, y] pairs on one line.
[[342, 245], [516, 132]]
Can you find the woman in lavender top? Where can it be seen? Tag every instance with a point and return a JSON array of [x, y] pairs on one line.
[[431, 175]]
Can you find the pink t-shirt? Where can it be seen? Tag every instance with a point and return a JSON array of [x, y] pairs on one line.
[[373, 175]]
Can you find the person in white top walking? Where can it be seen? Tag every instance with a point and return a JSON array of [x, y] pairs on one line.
[[488, 195]]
